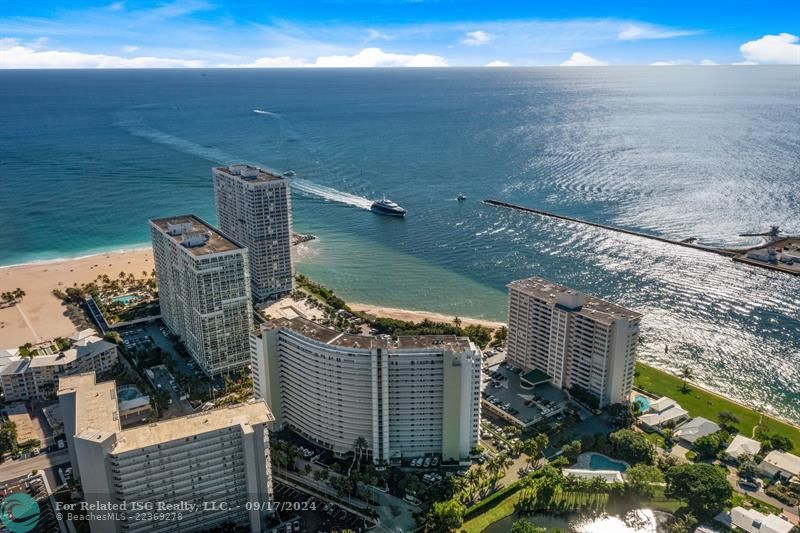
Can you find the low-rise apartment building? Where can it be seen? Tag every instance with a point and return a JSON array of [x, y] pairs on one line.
[[36, 378], [406, 397]]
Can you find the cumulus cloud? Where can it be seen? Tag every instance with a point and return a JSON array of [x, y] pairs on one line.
[[638, 32], [782, 49], [708, 63], [477, 38], [14, 54], [368, 57], [498, 64], [579, 59]]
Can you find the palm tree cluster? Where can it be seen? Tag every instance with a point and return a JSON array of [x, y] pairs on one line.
[[12, 297]]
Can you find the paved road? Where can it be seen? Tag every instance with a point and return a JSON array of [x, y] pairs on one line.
[[789, 512], [13, 469]]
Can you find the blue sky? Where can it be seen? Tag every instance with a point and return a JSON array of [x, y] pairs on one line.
[[341, 33]]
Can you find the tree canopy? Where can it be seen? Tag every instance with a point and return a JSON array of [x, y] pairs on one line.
[[703, 487], [632, 446]]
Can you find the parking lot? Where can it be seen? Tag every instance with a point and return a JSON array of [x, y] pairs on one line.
[[34, 486], [313, 514], [142, 338]]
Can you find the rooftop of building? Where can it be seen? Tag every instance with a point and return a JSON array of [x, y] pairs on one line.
[[250, 173], [247, 414], [555, 294], [326, 335], [88, 343], [784, 461], [98, 417], [95, 403], [196, 235]]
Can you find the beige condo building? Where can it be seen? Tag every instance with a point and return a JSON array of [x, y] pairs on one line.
[[575, 339], [213, 466]]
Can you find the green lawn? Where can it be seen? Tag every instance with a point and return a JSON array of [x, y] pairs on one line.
[[484, 520], [702, 403]]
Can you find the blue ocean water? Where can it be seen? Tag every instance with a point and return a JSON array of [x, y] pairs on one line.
[[86, 157]]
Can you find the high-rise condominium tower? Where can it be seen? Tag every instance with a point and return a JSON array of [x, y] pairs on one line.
[[577, 340], [204, 291], [211, 468], [254, 207], [406, 398]]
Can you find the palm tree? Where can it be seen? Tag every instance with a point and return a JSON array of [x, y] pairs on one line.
[[457, 322], [359, 446], [685, 373]]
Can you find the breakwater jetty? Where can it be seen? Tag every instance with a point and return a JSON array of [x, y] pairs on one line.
[[688, 243]]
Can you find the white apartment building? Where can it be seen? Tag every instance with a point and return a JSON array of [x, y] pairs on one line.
[[254, 207], [36, 378], [204, 291], [577, 340], [212, 466], [409, 397]]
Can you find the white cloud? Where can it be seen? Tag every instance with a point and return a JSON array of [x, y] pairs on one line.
[[498, 64], [477, 38], [639, 32], [117, 6], [781, 49], [579, 59], [375, 35], [708, 63], [745, 63], [129, 49], [672, 63], [13, 54], [366, 58]]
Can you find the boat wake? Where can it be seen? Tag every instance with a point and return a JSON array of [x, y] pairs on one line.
[[264, 112], [215, 155], [329, 193]]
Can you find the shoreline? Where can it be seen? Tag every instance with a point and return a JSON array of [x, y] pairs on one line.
[[42, 316], [63, 259], [413, 315]]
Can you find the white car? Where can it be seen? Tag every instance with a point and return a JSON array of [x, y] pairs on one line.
[[427, 462]]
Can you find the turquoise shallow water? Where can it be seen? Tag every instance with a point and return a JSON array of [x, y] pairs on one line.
[[88, 156]]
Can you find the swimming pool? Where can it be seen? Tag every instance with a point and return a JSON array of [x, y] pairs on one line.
[[125, 299], [601, 462], [126, 393], [643, 401]]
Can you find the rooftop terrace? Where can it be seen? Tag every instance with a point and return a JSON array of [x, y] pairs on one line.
[[195, 235], [330, 336], [555, 294]]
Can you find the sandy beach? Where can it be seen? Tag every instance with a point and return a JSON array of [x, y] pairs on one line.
[[418, 316], [40, 315]]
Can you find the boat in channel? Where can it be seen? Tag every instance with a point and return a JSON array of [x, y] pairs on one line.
[[387, 208]]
